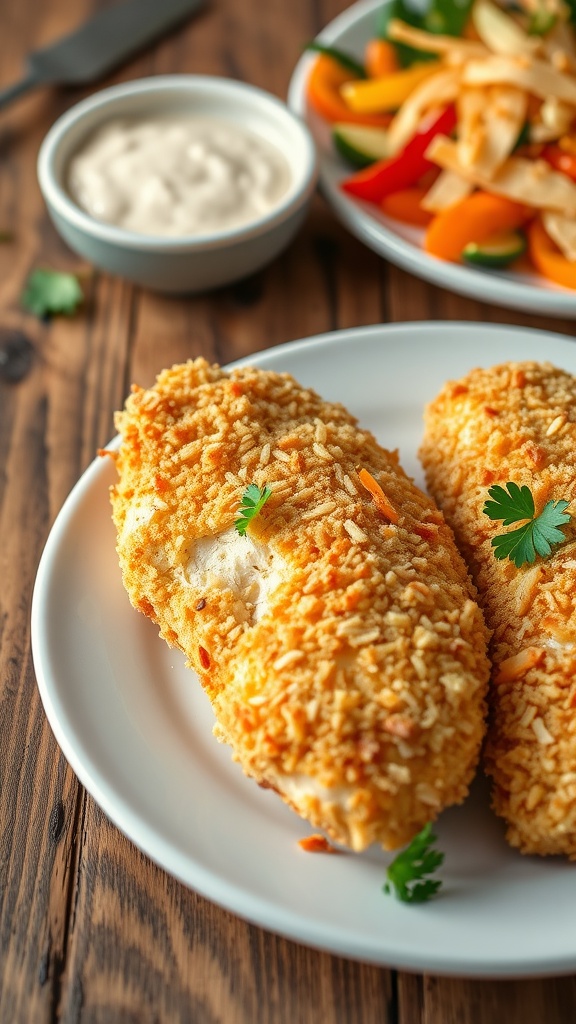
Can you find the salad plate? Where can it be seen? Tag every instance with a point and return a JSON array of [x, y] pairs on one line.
[[398, 242], [136, 727]]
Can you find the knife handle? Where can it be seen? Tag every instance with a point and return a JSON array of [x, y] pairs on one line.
[[16, 89]]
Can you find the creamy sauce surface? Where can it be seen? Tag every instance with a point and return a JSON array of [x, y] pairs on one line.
[[177, 175]]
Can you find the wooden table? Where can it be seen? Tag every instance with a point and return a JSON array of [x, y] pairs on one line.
[[90, 929]]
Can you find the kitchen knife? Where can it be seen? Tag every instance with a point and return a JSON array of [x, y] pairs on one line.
[[102, 43]]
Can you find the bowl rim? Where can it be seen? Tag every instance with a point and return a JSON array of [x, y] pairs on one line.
[[58, 198]]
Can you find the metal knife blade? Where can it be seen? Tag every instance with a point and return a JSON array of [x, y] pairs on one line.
[[101, 43]]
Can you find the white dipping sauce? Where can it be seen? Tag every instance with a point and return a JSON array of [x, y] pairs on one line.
[[178, 175]]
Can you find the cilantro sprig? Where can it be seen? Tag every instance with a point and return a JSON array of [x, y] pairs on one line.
[[253, 500], [538, 535], [51, 291], [406, 875]]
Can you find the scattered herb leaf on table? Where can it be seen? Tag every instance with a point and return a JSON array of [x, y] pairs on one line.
[[51, 291]]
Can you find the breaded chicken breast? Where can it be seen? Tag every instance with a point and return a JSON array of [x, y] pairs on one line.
[[516, 422], [338, 640]]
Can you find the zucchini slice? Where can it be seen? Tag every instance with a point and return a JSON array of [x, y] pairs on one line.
[[498, 251], [361, 145]]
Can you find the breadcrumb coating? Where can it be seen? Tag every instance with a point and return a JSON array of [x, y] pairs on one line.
[[344, 655], [517, 422]]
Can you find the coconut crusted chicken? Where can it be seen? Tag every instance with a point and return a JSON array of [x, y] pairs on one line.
[[338, 639], [516, 423]]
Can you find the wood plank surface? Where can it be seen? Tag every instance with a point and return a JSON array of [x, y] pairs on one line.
[[91, 930]]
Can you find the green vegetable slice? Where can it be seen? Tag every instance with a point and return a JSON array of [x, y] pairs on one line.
[[442, 17], [344, 59], [541, 22], [523, 136], [360, 145], [498, 251]]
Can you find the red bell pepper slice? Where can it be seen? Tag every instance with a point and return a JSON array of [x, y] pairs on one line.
[[386, 176], [561, 160]]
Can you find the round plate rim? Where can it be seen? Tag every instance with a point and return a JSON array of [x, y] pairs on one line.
[[230, 896]]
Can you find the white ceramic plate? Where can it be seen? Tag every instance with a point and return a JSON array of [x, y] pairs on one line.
[[136, 727], [399, 242]]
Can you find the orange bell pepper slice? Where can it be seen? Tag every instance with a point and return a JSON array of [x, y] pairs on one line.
[[323, 91], [380, 58], [475, 219], [405, 206], [547, 258]]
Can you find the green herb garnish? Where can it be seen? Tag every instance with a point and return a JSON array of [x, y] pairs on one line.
[[406, 872], [344, 59], [537, 536], [51, 291], [253, 500]]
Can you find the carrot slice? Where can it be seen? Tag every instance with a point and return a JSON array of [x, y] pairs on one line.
[[380, 58], [316, 844], [474, 219], [405, 206], [379, 498], [547, 258], [323, 91]]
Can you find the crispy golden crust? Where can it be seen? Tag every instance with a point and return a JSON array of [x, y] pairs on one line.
[[517, 422], [356, 687]]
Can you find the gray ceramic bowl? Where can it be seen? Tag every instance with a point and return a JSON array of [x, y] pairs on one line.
[[187, 264]]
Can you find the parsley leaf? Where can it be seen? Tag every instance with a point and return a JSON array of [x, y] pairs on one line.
[[406, 872], [537, 536], [51, 291], [252, 502], [516, 503]]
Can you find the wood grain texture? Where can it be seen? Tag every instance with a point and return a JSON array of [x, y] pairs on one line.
[[91, 931]]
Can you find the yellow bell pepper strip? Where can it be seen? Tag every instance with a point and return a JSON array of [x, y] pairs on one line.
[[380, 58], [474, 219], [406, 168], [374, 95], [323, 92], [547, 257]]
